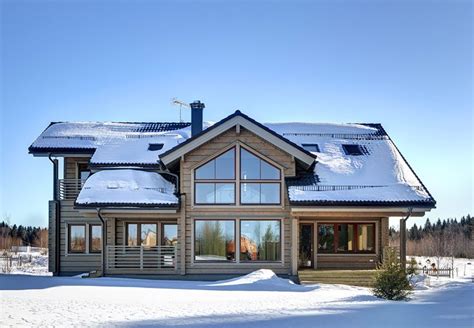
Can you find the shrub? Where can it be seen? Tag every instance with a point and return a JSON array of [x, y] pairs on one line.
[[391, 282], [412, 267]]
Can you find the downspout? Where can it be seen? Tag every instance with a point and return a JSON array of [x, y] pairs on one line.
[[57, 215], [403, 239], [104, 239]]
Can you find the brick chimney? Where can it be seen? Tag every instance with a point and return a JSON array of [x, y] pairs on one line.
[[196, 117]]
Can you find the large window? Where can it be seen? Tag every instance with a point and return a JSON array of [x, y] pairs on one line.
[[95, 238], [212, 180], [260, 240], [214, 240], [258, 181], [77, 238], [141, 234], [346, 238]]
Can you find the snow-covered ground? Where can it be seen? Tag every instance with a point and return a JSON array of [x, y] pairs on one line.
[[37, 266], [259, 299]]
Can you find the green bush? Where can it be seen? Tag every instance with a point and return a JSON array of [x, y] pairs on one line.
[[412, 267], [391, 282]]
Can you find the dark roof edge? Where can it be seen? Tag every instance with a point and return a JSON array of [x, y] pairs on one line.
[[60, 150], [428, 204], [412, 170], [231, 116], [126, 205]]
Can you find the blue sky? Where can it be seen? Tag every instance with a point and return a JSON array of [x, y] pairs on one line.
[[406, 64]]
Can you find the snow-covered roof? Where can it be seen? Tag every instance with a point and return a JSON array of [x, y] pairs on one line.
[[127, 187], [90, 135], [379, 175]]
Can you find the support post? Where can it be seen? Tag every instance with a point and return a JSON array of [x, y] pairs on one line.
[[294, 245], [403, 245]]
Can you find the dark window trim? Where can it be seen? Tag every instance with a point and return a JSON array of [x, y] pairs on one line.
[[281, 242], [315, 145], [214, 158], [260, 166], [356, 243], [214, 261], [214, 182], [90, 238], [69, 238], [139, 231], [261, 182], [162, 237]]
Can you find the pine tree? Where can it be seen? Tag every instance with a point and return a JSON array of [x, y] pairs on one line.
[[391, 282]]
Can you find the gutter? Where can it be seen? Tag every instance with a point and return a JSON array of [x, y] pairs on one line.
[[57, 216], [104, 239]]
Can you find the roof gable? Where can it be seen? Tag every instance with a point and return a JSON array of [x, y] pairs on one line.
[[239, 119]]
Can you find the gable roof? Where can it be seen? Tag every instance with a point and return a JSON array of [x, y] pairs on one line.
[[239, 118], [85, 137]]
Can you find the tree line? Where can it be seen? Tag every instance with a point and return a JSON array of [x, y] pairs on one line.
[[449, 237], [13, 235]]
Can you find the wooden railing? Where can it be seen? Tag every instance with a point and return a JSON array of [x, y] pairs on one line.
[[70, 188], [140, 258]]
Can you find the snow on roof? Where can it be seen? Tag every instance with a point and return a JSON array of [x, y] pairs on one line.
[[89, 135], [383, 174], [126, 187]]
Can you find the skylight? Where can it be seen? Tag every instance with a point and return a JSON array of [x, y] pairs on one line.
[[311, 147], [355, 150], [155, 146]]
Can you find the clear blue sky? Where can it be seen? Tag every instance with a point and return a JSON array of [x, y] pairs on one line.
[[406, 64]]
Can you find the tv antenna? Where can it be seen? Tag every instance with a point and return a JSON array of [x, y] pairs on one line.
[[181, 104]]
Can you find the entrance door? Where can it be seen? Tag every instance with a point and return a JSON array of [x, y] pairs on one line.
[[305, 255]]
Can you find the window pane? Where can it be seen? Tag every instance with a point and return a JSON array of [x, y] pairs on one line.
[[326, 238], [346, 238], [214, 240], [225, 165], [132, 234], [96, 238], [250, 193], [260, 240], [249, 165], [269, 172], [148, 234], [366, 238], [225, 193], [207, 171], [77, 238], [170, 235], [270, 193], [205, 193]]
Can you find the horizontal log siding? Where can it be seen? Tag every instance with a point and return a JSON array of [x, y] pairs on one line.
[[208, 150], [75, 263]]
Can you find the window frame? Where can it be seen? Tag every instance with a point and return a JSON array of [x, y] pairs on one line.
[[69, 250], [162, 237], [91, 226], [237, 181], [139, 233], [280, 235], [214, 182], [306, 145], [355, 238], [194, 241], [260, 182]]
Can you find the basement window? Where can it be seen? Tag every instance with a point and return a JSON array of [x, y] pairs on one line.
[[355, 150], [155, 146], [312, 147]]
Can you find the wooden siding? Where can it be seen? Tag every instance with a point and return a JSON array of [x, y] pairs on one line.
[[52, 236], [207, 151]]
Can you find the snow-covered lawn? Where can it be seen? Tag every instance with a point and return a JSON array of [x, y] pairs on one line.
[[37, 266], [257, 300]]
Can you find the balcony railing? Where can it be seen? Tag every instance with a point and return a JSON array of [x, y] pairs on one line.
[[69, 188], [137, 259]]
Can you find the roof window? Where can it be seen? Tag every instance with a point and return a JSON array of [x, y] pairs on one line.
[[355, 150], [155, 146], [311, 147]]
